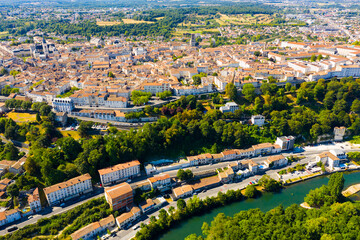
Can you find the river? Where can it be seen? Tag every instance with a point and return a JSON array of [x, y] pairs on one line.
[[290, 195]]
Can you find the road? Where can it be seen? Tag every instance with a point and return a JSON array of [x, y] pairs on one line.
[[51, 211]]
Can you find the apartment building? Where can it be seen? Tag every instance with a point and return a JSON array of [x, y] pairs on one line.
[[156, 87], [63, 104], [285, 142], [119, 172], [276, 161], [66, 190], [93, 229], [9, 216], [160, 181], [119, 196], [126, 219]]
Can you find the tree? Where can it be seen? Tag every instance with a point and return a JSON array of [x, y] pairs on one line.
[[251, 191], [163, 95], [336, 185], [111, 75], [249, 92], [181, 204], [85, 128], [184, 175], [13, 190], [288, 86], [231, 91], [313, 58], [355, 107], [45, 110], [319, 57], [257, 53], [269, 184]]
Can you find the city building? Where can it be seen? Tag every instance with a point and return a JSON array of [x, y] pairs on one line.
[[126, 219], [285, 142], [276, 161], [161, 181], [34, 201], [119, 196], [63, 104], [258, 120], [182, 191], [119, 172], [67, 190], [9, 216], [329, 159], [229, 107], [339, 133], [94, 229]]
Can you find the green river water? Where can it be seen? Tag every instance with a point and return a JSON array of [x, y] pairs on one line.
[[290, 195]]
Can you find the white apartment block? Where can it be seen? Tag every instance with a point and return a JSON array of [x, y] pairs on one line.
[[119, 172], [9, 216], [34, 201], [116, 102], [66, 190], [258, 120], [156, 87], [63, 104]]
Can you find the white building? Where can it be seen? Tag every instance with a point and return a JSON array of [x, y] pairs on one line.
[[229, 107], [34, 201], [93, 229], [119, 172], [161, 181], [276, 161], [286, 143], [258, 120], [155, 88], [327, 158], [66, 190], [116, 102], [63, 104], [9, 216], [127, 219]]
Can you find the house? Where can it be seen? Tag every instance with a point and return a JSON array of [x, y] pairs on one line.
[[229, 155], [226, 175], [200, 159], [253, 166], [339, 153], [206, 183], [18, 166], [286, 143], [67, 190], [276, 161], [161, 181], [9, 216], [339, 133], [258, 120], [182, 191], [119, 196], [34, 201], [93, 229], [327, 158], [147, 206], [229, 107], [262, 148], [4, 183], [61, 117], [126, 219], [119, 172]]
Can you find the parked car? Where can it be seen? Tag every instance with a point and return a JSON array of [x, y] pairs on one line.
[[11, 229], [62, 205], [135, 227]]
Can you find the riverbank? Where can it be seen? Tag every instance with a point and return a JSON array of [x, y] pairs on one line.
[[351, 190], [293, 194]]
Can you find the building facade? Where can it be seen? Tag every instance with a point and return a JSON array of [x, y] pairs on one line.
[[119, 172], [70, 189]]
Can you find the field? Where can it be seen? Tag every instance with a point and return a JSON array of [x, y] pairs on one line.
[[22, 117], [102, 23], [2, 34], [188, 31], [125, 21], [132, 21], [244, 19], [74, 134]]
